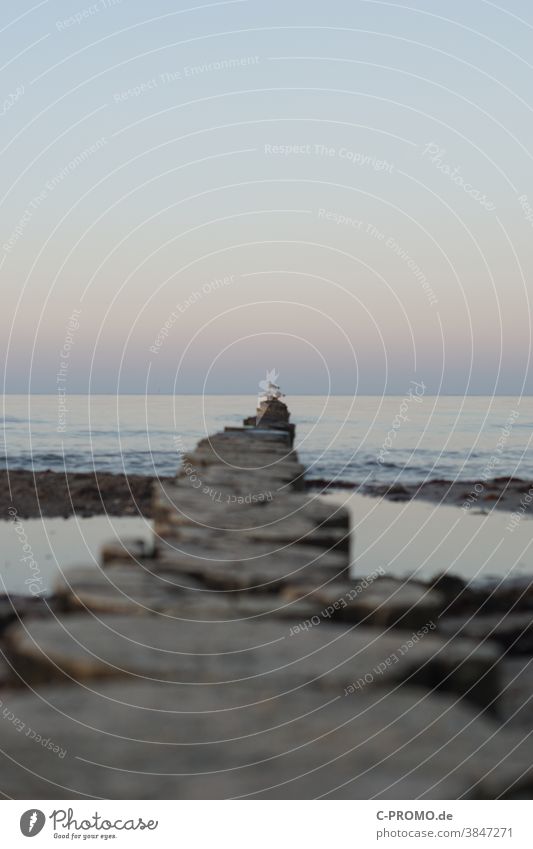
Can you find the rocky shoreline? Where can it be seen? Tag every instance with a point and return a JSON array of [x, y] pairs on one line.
[[54, 494], [503, 493]]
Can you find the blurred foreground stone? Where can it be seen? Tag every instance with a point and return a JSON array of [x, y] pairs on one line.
[[137, 740]]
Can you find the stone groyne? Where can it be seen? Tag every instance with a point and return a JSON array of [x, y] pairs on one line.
[[243, 656]]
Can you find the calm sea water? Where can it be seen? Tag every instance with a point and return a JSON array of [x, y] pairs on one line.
[[364, 439]]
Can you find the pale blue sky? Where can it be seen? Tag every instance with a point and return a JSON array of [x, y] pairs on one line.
[[355, 175]]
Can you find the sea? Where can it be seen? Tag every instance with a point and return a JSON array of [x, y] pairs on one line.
[[362, 440]]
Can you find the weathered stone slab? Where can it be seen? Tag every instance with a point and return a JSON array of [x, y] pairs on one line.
[[279, 436], [127, 548], [221, 546], [8, 613], [276, 479], [510, 594], [243, 457], [283, 533], [512, 631], [134, 740], [259, 578], [247, 497], [240, 458], [181, 504], [229, 442], [223, 485], [121, 589], [515, 703], [6, 674], [384, 601], [14, 607], [284, 474], [263, 436], [219, 564], [270, 653], [267, 575], [216, 562]]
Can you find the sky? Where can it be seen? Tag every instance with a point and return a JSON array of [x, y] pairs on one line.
[[191, 196]]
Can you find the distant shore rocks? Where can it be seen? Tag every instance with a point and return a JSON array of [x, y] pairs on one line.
[[56, 494], [503, 493]]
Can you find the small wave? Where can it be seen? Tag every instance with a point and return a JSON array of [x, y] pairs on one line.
[[386, 464], [139, 462]]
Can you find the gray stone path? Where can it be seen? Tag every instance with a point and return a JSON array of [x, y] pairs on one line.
[[236, 656]]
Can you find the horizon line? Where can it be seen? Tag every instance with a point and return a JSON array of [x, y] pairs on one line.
[[288, 394]]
